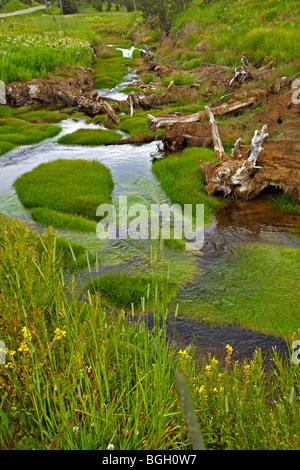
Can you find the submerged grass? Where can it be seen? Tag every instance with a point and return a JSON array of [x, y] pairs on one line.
[[125, 291], [71, 187], [183, 181], [257, 287]]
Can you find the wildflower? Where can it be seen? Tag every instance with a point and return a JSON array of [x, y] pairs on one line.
[[11, 353], [110, 446], [24, 347], [59, 334], [215, 389], [214, 361], [208, 367], [184, 353], [229, 353], [201, 388], [76, 429], [26, 333]]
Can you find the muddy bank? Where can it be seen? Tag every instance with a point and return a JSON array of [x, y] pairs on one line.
[[45, 92]]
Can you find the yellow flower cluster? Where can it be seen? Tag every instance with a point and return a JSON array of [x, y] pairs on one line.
[[27, 338], [59, 334]]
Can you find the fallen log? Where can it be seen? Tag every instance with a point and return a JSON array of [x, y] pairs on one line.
[[201, 116], [86, 105], [137, 102]]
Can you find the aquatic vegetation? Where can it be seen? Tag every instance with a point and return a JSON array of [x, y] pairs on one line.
[[257, 286], [41, 116], [283, 203], [89, 137], [19, 132], [71, 187], [121, 290], [183, 181], [48, 217]]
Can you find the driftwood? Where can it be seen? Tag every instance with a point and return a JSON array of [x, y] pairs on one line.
[[200, 116], [87, 105], [234, 175], [147, 53], [239, 175], [137, 102], [241, 73]]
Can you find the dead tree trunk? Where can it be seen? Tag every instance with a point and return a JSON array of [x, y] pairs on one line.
[[234, 174], [87, 105]]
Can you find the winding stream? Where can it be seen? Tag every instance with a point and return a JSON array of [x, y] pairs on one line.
[[130, 166]]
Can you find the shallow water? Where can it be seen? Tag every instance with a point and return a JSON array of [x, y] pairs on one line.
[[130, 165], [116, 92]]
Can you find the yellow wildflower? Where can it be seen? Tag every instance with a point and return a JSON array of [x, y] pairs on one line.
[[26, 333], [201, 388], [214, 361], [24, 347], [59, 334], [184, 353]]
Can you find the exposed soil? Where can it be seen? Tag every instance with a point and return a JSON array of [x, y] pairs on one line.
[[46, 91]]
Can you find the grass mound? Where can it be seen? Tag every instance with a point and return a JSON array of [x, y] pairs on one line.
[[121, 290], [89, 137], [66, 192], [19, 132], [183, 181]]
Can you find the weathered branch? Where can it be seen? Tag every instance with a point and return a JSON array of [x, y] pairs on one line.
[[87, 105]]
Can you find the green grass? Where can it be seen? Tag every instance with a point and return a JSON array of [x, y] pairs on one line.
[[45, 216], [80, 378], [257, 287], [71, 187], [42, 116], [109, 70], [120, 290], [283, 203], [5, 147], [230, 29], [183, 181], [18, 132], [89, 137], [137, 124]]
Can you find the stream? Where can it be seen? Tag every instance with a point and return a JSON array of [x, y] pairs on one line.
[[130, 165]]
